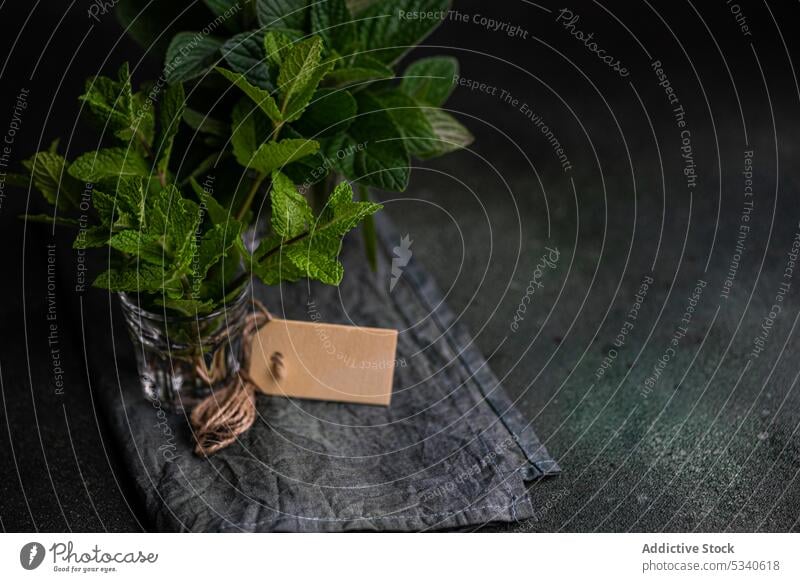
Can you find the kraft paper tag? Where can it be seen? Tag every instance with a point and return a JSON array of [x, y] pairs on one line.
[[320, 361]]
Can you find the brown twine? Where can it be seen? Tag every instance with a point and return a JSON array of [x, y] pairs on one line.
[[225, 414]]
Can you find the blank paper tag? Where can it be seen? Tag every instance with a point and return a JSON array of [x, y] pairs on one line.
[[341, 363]]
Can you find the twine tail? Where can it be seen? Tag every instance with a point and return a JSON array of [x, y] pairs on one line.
[[227, 413], [222, 417]]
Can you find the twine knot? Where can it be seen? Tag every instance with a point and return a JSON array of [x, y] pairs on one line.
[[225, 414]]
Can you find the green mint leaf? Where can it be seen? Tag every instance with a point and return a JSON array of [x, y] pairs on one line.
[[92, 237], [55, 184], [130, 202], [125, 114], [210, 162], [430, 80], [312, 257], [216, 243], [111, 102], [313, 169], [170, 113], [384, 165], [152, 24], [226, 10], [143, 125], [187, 307], [358, 70], [147, 247], [136, 277], [380, 157], [356, 7], [331, 19], [297, 105], [282, 13], [291, 213], [313, 254], [370, 232], [109, 163], [273, 265], [342, 214], [330, 112], [261, 97], [274, 155], [50, 219], [215, 210], [244, 138], [106, 208], [306, 171], [383, 27], [205, 124], [190, 55], [244, 53], [299, 71], [18, 180], [277, 45], [176, 220], [450, 134], [225, 234], [220, 7], [410, 120], [317, 262], [250, 128]]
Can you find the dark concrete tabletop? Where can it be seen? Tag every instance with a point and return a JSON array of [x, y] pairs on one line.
[[649, 266]]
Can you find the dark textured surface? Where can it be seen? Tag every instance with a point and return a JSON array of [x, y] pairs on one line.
[[710, 448], [450, 451]]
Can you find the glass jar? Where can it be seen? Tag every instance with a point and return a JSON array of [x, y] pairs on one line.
[[183, 359]]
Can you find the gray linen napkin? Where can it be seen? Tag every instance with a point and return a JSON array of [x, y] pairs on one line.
[[450, 451]]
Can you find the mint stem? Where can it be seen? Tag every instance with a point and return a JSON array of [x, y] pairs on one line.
[[250, 196]]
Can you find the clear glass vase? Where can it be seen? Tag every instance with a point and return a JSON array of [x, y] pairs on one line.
[[181, 360]]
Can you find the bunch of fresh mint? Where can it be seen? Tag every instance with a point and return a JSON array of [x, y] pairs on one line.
[[352, 109], [265, 120]]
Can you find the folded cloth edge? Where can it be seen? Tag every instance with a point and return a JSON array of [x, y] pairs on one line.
[[541, 464]]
